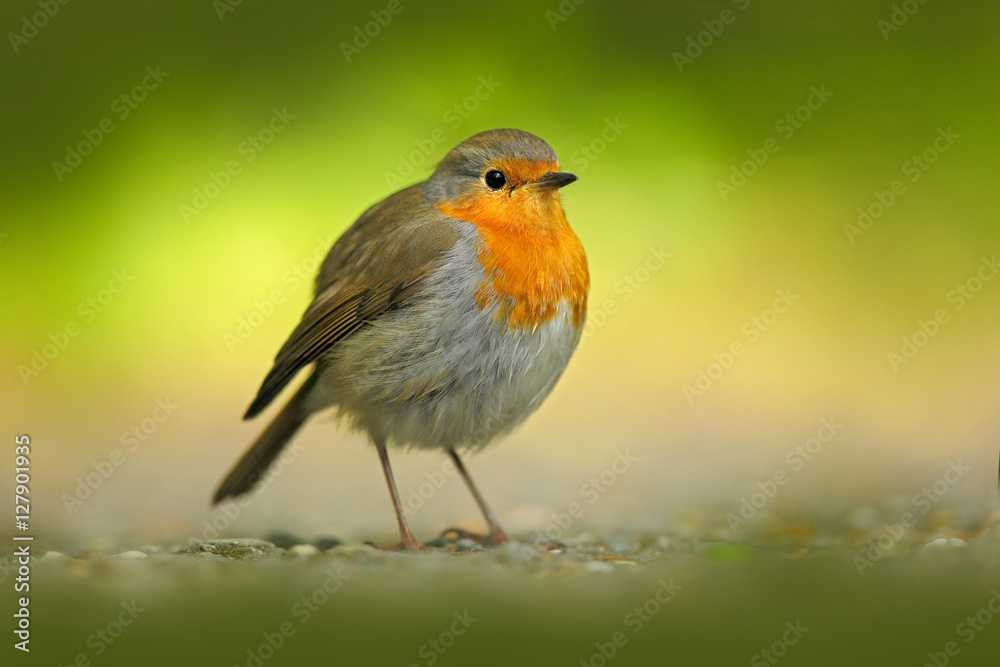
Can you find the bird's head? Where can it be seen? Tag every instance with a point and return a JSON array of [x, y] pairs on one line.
[[503, 179]]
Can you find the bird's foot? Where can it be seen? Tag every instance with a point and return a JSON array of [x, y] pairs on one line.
[[497, 537], [453, 534]]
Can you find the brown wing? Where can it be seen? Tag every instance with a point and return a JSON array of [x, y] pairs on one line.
[[374, 267]]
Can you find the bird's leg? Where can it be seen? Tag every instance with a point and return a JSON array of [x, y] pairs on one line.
[[496, 536], [408, 542]]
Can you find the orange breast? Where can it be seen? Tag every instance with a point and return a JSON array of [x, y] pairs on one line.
[[532, 259]]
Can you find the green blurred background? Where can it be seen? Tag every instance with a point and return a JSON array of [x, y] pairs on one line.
[[650, 141]]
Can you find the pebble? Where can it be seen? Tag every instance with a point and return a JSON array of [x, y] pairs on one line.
[[620, 546], [325, 543], [599, 566], [132, 555], [283, 540], [945, 543], [235, 549], [467, 544], [302, 551], [54, 555], [99, 544]]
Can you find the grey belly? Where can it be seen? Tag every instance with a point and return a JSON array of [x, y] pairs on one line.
[[440, 372]]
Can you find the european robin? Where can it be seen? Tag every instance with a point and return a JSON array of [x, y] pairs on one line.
[[442, 317]]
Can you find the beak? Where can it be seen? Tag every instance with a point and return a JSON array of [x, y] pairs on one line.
[[555, 180]]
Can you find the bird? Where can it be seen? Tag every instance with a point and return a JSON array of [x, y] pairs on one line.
[[442, 317]]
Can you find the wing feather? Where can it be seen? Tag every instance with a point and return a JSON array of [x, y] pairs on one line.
[[376, 266]]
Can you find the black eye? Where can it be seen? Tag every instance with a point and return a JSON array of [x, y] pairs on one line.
[[495, 179]]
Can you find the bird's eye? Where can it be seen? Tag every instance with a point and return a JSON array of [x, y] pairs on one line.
[[495, 179]]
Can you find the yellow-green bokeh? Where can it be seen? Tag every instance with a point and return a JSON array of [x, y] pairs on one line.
[[564, 71], [655, 184]]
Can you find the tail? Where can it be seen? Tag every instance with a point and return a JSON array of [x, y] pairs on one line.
[[249, 469]]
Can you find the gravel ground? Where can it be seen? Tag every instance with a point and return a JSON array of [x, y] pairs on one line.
[[876, 596]]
